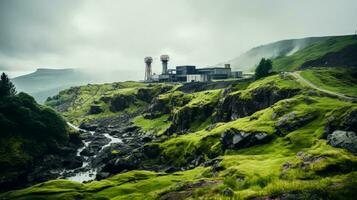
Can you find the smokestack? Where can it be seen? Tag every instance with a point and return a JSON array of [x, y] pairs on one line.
[[227, 66], [164, 59], [148, 61]]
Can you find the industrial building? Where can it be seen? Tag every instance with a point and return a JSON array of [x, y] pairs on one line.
[[188, 73]]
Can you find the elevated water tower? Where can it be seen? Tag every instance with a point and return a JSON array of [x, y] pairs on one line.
[[148, 61], [164, 59]]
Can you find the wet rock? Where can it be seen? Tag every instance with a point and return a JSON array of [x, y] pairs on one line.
[[72, 163], [146, 139], [343, 139], [102, 175], [121, 164], [95, 109], [87, 152], [65, 151], [130, 129], [88, 126], [152, 150], [234, 139]]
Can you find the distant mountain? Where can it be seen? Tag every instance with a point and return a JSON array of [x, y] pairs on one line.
[[291, 54], [46, 82]]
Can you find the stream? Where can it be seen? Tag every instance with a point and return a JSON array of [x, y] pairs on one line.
[[86, 172]]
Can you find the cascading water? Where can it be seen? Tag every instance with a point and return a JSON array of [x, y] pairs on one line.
[[85, 172]]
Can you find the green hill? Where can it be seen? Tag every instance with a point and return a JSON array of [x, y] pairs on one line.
[[272, 138], [314, 52], [292, 54], [28, 132]]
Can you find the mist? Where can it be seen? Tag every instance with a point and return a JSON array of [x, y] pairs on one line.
[[110, 39]]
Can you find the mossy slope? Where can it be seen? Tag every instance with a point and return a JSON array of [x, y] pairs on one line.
[[296, 164]]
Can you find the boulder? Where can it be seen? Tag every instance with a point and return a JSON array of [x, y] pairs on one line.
[[292, 121], [347, 122], [151, 150], [343, 139], [234, 139], [72, 163], [88, 126], [95, 109], [118, 165]]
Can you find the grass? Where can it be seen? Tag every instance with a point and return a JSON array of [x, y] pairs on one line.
[[270, 81], [312, 52], [155, 126], [256, 171], [81, 98], [130, 185], [341, 80]]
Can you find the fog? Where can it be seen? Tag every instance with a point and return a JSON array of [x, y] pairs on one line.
[[112, 37]]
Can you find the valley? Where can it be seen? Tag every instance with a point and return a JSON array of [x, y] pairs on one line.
[[288, 135]]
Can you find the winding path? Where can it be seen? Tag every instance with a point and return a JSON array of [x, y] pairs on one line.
[[297, 76]]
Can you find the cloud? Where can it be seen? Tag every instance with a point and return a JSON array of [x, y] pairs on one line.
[[118, 34]]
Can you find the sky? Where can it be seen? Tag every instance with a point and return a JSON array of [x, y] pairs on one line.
[[116, 35]]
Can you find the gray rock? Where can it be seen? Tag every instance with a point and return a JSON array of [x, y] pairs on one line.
[[343, 139], [235, 139], [95, 109]]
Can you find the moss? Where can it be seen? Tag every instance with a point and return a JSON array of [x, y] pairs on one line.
[[156, 126], [133, 185], [75, 102], [297, 163]]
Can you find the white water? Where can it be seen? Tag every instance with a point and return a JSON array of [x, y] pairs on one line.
[[90, 174], [113, 140]]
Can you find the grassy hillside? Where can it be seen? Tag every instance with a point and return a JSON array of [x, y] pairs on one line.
[[291, 54], [341, 80], [75, 103], [285, 153], [248, 60], [313, 52]]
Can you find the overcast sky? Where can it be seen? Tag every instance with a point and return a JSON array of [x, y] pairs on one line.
[[118, 34]]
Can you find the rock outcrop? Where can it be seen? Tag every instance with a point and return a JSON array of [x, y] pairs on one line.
[[95, 109], [121, 102], [292, 121], [234, 139], [235, 106], [343, 139], [186, 116]]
